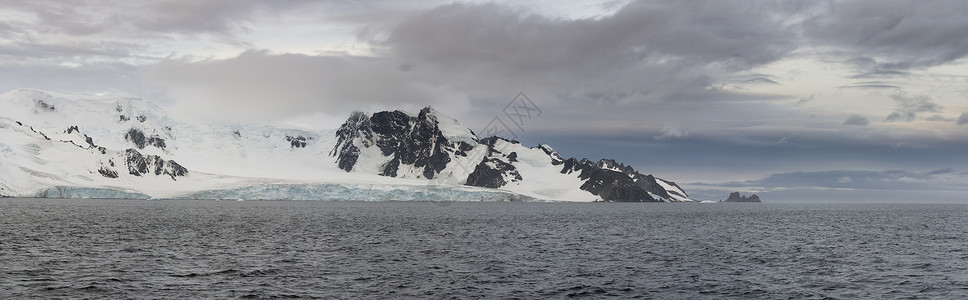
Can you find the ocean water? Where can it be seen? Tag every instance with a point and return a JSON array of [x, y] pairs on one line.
[[277, 249]]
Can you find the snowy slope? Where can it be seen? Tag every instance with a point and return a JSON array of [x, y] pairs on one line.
[[544, 179], [60, 145]]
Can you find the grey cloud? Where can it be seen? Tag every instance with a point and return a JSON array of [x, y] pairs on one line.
[[745, 82], [942, 179], [654, 47], [805, 100], [963, 119], [856, 120], [938, 118], [870, 86], [908, 107], [86, 17], [896, 116], [760, 80], [941, 171], [62, 51], [91, 78], [671, 132], [214, 16], [258, 85], [906, 34]]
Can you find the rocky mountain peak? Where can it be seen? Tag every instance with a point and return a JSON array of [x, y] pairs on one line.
[[401, 139], [736, 197]]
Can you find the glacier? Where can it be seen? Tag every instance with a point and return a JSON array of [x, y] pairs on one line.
[[69, 192], [351, 192]]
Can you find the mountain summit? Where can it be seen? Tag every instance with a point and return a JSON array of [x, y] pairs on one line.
[[54, 145]]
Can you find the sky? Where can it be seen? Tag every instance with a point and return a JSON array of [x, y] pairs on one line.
[[797, 101]]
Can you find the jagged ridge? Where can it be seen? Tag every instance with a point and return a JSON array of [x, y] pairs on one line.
[[418, 143]]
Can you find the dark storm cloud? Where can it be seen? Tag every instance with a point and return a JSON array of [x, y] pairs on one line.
[[856, 120], [751, 149], [644, 47], [662, 44], [901, 34]]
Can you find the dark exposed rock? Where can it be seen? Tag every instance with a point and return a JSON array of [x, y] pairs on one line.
[[496, 168], [357, 127], [613, 165], [607, 184], [736, 197], [90, 141], [417, 141], [490, 173], [674, 192], [41, 133], [624, 185], [492, 140], [108, 172], [463, 148], [615, 187], [139, 165], [142, 118], [582, 166], [138, 138], [237, 134], [407, 140], [648, 183], [157, 141], [87, 139], [175, 170], [391, 167], [43, 105], [556, 158], [347, 158], [121, 116], [295, 141]]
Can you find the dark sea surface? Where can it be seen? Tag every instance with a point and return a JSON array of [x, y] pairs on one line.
[[276, 249]]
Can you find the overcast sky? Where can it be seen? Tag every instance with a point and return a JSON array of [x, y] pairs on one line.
[[795, 100]]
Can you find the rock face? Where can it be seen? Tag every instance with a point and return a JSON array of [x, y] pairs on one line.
[[137, 137], [397, 144], [736, 197], [617, 182], [404, 140], [497, 168], [139, 165]]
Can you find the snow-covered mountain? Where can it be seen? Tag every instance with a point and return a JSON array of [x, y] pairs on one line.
[[57, 145]]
